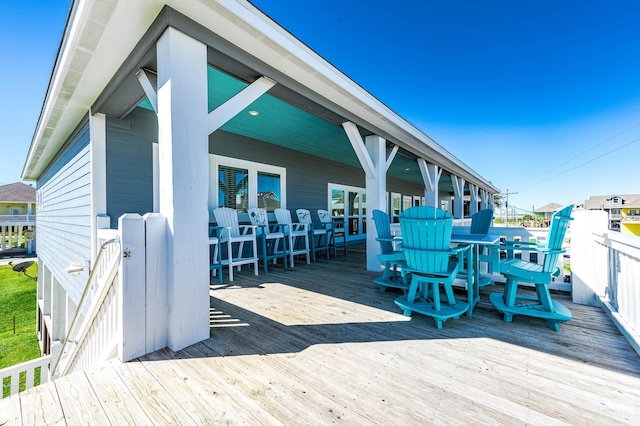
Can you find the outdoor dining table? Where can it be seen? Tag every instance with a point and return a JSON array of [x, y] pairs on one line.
[[474, 241]]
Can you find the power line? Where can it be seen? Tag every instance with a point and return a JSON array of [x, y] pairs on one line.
[[585, 163], [535, 180]]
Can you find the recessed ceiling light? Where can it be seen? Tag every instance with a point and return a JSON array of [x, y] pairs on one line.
[[407, 169], [254, 113]]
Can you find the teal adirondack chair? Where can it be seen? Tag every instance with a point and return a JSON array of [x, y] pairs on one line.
[[516, 270], [393, 275], [426, 244]]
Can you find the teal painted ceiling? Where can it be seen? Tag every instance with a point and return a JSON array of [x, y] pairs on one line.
[[285, 125]]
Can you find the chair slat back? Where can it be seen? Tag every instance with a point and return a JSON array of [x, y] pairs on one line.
[[481, 221], [426, 238], [283, 216], [324, 216], [304, 216], [557, 230], [227, 218], [383, 227], [258, 217]]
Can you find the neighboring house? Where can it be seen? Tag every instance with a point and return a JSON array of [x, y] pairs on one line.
[[613, 205], [547, 210], [630, 216], [184, 108], [17, 214]]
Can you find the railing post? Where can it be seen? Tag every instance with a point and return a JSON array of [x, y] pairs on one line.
[[156, 282], [588, 270], [131, 287]]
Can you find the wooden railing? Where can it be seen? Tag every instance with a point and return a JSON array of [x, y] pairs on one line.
[[93, 337], [35, 372]]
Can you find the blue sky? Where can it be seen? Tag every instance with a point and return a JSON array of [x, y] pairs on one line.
[[539, 97]]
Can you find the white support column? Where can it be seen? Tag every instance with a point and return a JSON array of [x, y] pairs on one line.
[[184, 184], [473, 190], [484, 195], [458, 197], [3, 243], [431, 177], [131, 288], [373, 157], [10, 237], [98, 145], [376, 190]]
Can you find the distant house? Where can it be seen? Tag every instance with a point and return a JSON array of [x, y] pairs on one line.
[[178, 108], [548, 210], [614, 205], [17, 213]]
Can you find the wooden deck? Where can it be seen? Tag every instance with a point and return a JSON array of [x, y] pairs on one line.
[[319, 344]]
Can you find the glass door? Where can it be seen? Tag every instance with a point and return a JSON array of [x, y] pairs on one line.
[[350, 204]]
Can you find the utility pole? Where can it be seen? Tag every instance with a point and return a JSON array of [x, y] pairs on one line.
[[506, 205]]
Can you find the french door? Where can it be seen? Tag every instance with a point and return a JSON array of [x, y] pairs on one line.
[[349, 203]]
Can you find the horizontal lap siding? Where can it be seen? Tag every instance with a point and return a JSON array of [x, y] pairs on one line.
[[63, 220], [307, 176], [130, 164]]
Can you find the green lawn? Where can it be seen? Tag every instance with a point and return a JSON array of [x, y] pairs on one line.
[[17, 299]]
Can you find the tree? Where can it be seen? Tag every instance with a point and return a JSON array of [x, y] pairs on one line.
[[498, 201]]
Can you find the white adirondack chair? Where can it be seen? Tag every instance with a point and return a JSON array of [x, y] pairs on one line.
[[338, 231], [232, 233], [295, 232], [319, 236], [273, 243]]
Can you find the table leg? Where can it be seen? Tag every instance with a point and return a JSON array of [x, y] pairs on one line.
[[473, 278], [470, 278]]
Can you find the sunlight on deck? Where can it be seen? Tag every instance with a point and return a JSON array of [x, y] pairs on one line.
[[285, 305]]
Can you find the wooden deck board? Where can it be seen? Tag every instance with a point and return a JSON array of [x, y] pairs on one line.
[[82, 406], [319, 344]]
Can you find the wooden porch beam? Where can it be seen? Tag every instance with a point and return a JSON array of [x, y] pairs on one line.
[[360, 149], [149, 82], [225, 112], [430, 174], [391, 156]]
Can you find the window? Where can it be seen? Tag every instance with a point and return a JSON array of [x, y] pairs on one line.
[[233, 188], [349, 203], [241, 185]]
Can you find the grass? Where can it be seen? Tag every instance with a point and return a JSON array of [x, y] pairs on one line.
[[17, 300]]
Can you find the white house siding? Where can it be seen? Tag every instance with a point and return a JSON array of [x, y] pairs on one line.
[[130, 163], [63, 217]]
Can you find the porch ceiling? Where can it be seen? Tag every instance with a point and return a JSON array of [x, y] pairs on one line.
[[288, 126]]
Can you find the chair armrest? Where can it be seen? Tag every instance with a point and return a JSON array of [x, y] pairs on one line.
[[459, 249], [214, 230], [247, 229], [391, 240]]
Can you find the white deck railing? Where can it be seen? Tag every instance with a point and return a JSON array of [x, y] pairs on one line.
[[606, 272], [28, 369], [15, 218], [93, 337]]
